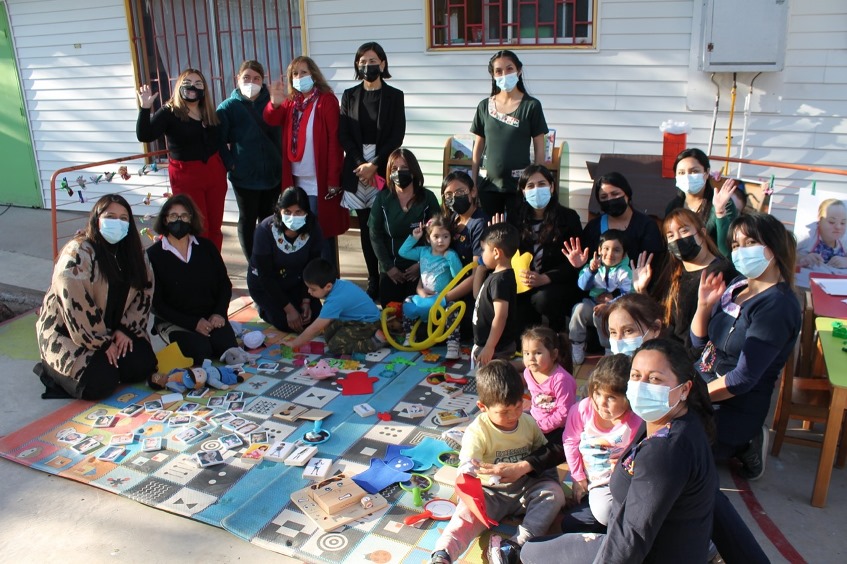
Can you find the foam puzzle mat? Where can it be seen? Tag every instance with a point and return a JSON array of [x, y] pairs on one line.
[[103, 444]]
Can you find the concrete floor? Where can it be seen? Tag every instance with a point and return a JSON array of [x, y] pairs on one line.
[[46, 518]]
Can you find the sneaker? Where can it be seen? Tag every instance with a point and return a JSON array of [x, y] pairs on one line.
[[452, 351], [440, 557], [503, 551], [578, 352], [755, 456]]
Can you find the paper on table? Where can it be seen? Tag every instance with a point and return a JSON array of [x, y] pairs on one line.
[[833, 286]]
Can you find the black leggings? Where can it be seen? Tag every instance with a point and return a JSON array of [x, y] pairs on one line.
[[253, 207], [198, 347], [367, 248]]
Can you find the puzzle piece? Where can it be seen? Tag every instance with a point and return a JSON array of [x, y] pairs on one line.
[[357, 383]]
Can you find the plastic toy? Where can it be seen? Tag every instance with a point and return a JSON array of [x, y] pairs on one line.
[[839, 330], [321, 370]]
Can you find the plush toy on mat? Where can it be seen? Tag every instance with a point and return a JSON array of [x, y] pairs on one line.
[[237, 355], [183, 379]]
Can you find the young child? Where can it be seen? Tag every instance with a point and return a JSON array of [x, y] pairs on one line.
[[546, 356], [439, 265], [824, 246], [605, 277], [502, 432], [349, 319], [495, 327], [598, 430]]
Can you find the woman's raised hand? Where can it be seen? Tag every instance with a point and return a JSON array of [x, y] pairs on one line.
[[574, 252], [712, 287], [278, 92], [146, 97], [642, 272], [721, 197]]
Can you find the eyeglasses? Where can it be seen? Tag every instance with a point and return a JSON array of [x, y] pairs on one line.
[[448, 198], [171, 217]]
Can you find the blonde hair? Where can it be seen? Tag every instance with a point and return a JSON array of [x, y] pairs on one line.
[[179, 107], [826, 204], [321, 84]]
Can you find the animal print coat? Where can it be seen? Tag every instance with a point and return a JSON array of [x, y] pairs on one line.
[[70, 327]]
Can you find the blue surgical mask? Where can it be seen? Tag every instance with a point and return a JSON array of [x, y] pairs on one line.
[[649, 401], [294, 222], [691, 183], [626, 346], [507, 82], [750, 262], [538, 197], [303, 84], [113, 230]]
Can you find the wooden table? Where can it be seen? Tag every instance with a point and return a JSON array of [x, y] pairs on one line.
[[836, 367]]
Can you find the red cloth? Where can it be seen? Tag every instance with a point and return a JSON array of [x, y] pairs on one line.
[[333, 219], [469, 489], [206, 184]]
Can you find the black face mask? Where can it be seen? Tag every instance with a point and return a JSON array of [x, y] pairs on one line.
[[184, 91], [460, 204], [684, 248], [178, 228], [370, 72], [401, 178], [614, 207]]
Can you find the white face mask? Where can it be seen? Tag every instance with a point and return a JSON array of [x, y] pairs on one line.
[[691, 183], [249, 89]]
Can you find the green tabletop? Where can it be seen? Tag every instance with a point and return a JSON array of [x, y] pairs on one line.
[[835, 358]]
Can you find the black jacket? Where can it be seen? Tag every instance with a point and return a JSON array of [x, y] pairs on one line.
[[391, 127]]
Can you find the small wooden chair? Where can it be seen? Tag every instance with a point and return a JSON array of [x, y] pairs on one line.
[[800, 396]]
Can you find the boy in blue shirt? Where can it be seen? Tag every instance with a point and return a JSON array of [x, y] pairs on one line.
[[349, 319]]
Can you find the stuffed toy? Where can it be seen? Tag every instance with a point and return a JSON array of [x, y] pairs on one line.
[[181, 380], [321, 370], [237, 355]]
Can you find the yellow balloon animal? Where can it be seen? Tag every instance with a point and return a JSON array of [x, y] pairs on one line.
[[437, 329]]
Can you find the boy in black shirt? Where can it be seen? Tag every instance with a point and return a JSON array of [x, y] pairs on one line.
[[495, 328]]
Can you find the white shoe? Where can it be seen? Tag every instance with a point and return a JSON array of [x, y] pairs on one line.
[[578, 352], [452, 351]]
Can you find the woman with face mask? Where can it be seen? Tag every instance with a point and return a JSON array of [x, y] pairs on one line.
[[402, 206], [284, 244], [505, 125], [641, 235], [460, 202], [748, 329], [695, 192], [664, 485], [191, 127], [690, 252], [92, 329], [545, 225], [308, 115], [193, 315], [251, 151], [372, 124]]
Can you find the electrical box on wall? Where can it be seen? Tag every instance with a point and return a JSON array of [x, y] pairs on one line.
[[743, 36]]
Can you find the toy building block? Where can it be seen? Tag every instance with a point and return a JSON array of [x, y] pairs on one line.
[[301, 456], [336, 493], [364, 410], [279, 451], [254, 453], [839, 330], [317, 468]]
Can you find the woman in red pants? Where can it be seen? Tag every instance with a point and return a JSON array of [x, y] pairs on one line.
[[190, 125]]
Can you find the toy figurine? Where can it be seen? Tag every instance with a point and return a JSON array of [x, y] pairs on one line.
[[66, 187]]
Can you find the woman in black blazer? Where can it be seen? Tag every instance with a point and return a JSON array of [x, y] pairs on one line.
[[372, 125]]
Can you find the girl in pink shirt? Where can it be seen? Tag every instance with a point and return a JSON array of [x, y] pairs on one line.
[[598, 430], [546, 356]]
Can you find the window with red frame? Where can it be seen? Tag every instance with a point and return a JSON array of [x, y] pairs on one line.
[[512, 23]]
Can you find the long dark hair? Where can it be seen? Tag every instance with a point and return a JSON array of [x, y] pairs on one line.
[[414, 168], [380, 52], [549, 230], [129, 265], [291, 196], [770, 232], [518, 64], [698, 398], [615, 179], [708, 190]]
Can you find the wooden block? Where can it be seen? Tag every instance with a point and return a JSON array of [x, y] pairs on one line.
[[301, 456], [336, 493]]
